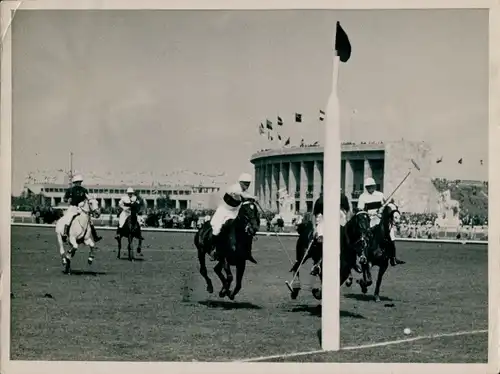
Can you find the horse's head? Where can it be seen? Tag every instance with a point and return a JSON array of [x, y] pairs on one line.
[[91, 207], [250, 217], [358, 230], [391, 214]]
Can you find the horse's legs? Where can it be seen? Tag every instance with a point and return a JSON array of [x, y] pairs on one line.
[[91, 244], [129, 247], [62, 251], [240, 270], [381, 271], [119, 240], [203, 270], [70, 253], [229, 275], [363, 281], [139, 246], [218, 270]]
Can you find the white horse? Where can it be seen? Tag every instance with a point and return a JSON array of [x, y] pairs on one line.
[[79, 232]]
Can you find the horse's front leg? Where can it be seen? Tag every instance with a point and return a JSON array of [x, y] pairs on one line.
[[363, 281], [70, 253], [129, 248], [240, 270], [91, 245], [218, 270], [119, 240], [203, 270], [139, 246], [381, 271]]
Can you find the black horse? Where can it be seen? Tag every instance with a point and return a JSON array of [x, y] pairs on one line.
[[234, 243], [131, 229], [377, 253]]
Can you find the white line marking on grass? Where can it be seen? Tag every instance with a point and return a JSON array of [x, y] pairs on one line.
[[365, 346]]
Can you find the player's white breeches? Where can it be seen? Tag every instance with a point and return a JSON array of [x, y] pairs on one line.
[[72, 211], [223, 213], [319, 225], [123, 217], [343, 218]]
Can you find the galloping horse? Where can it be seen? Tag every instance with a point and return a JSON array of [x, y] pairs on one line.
[[354, 238], [79, 232], [306, 241], [236, 239], [131, 229], [376, 251]]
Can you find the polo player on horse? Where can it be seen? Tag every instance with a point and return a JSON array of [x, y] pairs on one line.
[[228, 209], [75, 195], [126, 203], [372, 201]]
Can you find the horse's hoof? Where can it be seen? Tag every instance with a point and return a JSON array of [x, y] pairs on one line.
[[377, 299], [231, 296], [90, 260], [222, 294], [316, 293], [210, 289], [364, 290], [348, 283]]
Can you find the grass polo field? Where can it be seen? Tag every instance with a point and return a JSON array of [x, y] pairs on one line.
[[158, 310]]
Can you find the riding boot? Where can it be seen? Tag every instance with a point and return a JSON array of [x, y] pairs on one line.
[[212, 245], [65, 233], [96, 237], [393, 260]]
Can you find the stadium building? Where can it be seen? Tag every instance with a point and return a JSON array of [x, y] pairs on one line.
[[299, 170], [184, 197]]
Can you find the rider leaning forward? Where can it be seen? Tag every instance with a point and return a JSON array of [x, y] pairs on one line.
[[75, 195]]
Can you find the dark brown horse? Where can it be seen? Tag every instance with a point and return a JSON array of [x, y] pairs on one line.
[[234, 243], [376, 253], [131, 229]]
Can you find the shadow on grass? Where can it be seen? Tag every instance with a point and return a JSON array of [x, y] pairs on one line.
[[313, 310], [347, 314], [228, 305], [365, 297]]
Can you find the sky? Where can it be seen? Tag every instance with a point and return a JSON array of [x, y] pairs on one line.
[[157, 91]]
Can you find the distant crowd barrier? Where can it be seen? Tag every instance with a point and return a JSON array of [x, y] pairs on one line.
[[260, 233]]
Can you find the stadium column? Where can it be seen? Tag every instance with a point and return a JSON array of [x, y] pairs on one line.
[[303, 186], [262, 182], [367, 170], [52, 201], [103, 203], [317, 179], [292, 180], [113, 202], [267, 186], [349, 178], [282, 182], [274, 186]]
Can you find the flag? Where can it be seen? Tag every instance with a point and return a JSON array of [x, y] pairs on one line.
[[316, 143], [269, 124], [261, 129], [302, 142], [439, 160], [279, 137], [342, 44], [481, 161], [287, 141], [321, 115], [280, 121], [460, 161], [298, 117]]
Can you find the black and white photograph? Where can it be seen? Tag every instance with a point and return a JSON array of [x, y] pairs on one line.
[[169, 170]]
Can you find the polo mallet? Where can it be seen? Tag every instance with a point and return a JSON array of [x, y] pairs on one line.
[[401, 183], [290, 284], [281, 243]]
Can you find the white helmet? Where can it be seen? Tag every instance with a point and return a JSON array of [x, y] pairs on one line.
[[370, 182], [245, 178], [77, 178], [130, 190]]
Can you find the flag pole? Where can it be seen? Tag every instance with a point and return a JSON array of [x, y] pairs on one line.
[[330, 322]]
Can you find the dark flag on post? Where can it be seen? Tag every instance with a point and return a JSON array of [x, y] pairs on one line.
[[321, 115], [280, 121], [302, 142], [481, 161], [269, 124], [460, 161], [287, 141], [439, 160], [279, 137], [298, 117], [315, 143], [342, 44]]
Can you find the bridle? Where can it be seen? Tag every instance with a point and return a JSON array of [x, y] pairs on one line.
[[90, 212]]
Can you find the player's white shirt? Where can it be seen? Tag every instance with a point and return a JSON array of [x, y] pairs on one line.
[[127, 200], [366, 200]]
